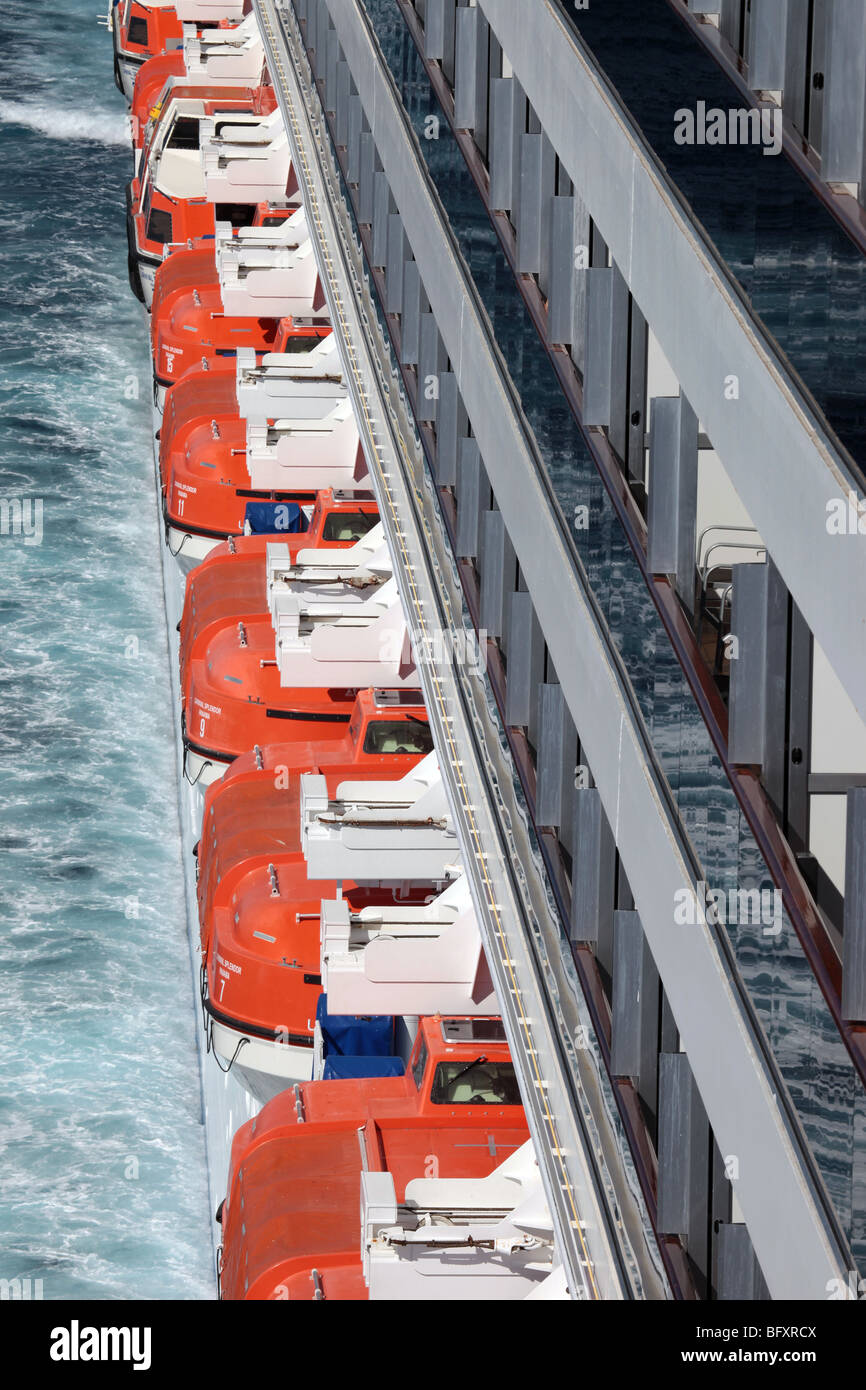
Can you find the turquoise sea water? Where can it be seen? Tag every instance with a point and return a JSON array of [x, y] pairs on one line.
[[102, 1163]]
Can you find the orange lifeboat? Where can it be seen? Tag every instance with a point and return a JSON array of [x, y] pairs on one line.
[[206, 484], [233, 699], [290, 1227], [303, 1242], [202, 459], [141, 31], [141, 36], [231, 689], [259, 912], [253, 808], [260, 981], [188, 326]]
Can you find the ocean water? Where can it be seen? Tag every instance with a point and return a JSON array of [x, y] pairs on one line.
[[103, 1190]]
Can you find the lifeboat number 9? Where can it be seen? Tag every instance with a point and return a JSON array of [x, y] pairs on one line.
[[201, 724]]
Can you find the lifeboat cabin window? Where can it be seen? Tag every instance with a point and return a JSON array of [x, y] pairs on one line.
[[398, 736], [299, 342], [138, 31], [419, 1065], [239, 214], [159, 226], [347, 526], [475, 1083], [184, 134]]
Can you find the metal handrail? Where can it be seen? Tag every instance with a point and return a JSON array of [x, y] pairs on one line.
[[758, 550], [726, 527]]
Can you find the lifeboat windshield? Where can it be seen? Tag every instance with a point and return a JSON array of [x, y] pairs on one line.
[[408, 736], [478, 1082], [348, 527]]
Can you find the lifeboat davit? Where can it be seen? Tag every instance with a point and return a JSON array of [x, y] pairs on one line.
[[190, 330], [172, 198], [290, 1227], [232, 579], [140, 31]]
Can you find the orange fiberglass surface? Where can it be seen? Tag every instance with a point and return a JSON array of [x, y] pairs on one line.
[[290, 1221]]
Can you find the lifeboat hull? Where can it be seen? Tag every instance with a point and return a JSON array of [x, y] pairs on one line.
[[264, 1068], [215, 734], [126, 70], [321, 1260]]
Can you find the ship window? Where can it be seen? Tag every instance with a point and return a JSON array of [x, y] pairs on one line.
[[239, 214], [399, 736], [159, 226], [475, 1083], [420, 1064], [184, 134], [138, 31], [348, 526]]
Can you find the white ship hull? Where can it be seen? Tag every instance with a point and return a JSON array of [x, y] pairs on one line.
[[227, 1102]]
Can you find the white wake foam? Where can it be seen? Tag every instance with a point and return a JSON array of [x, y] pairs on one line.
[[61, 123]]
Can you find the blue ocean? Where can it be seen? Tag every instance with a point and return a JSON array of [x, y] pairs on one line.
[[103, 1191]]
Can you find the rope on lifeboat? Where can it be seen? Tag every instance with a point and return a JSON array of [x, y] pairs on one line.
[[174, 553], [208, 1027], [208, 762], [210, 1047]]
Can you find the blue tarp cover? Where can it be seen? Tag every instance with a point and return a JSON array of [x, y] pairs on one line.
[[263, 518], [347, 1036], [345, 1068]]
